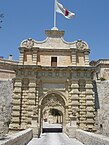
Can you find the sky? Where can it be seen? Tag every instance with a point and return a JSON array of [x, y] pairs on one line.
[[25, 19]]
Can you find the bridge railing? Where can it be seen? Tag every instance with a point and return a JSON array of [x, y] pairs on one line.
[[88, 138], [20, 138]]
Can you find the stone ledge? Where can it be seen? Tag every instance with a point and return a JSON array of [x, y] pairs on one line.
[[20, 138], [88, 138]]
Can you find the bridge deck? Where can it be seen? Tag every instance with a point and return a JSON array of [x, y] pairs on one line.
[[54, 139]]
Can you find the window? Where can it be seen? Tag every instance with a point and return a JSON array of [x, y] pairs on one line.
[[53, 61]]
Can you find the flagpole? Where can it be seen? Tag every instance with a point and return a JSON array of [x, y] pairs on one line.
[[55, 13]]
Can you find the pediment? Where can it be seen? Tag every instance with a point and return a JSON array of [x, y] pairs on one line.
[[54, 40]]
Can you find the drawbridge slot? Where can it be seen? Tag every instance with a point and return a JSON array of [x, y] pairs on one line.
[[51, 130]]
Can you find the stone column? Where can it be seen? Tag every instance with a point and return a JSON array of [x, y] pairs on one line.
[[86, 53], [16, 105], [73, 57], [90, 114]]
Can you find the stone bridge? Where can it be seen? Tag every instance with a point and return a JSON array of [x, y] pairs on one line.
[[81, 137]]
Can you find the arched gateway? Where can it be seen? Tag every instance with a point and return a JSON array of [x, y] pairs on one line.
[[53, 84], [52, 110]]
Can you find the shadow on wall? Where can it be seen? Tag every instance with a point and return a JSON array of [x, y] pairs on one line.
[[97, 104]]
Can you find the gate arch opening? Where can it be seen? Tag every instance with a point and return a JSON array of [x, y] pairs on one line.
[[52, 113]]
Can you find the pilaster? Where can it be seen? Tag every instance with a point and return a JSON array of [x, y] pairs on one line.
[[86, 53], [24, 111], [82, 110], [73, 57], [74, 98], [31, 99], [16, 104], [90, 115], [35, 53], [69, 101], [21, 57]]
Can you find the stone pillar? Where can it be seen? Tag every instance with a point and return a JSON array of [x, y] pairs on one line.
[[21, 57], [31, 99], [82, 110], [34, 122], [74, 98], [82, 104], [73, 57], [35, 53], [90, 114], [37, 93], [16, 105], [86, 53], [68, 108], [24, 112]]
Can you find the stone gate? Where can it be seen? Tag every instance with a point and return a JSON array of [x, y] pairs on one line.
[[53, 73]]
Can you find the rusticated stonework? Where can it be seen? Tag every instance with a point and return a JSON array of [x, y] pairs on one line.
[[53, 74]]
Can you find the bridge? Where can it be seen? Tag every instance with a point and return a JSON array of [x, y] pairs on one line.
[[54, 139], [53, 134]]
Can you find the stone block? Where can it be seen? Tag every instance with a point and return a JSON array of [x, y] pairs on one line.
[[88, 138], [71, 131]]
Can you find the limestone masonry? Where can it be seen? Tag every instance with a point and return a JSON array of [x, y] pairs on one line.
[[55, 75]]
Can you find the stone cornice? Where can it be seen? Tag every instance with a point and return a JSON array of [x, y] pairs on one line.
[[53, 50], [69, 68]]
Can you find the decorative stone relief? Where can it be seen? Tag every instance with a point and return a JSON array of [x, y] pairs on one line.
[[82, 84], [25, 82], [52, 100], [29, 43], [81, 45], [35, 110]]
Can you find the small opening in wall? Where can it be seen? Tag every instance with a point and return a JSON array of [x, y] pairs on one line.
[[101, 126], [53, 61]]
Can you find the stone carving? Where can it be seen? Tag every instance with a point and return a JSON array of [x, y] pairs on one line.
[[52, 100], [74, 112], [81, 45], [35, 110], [29, 43], [82, 84], [25, 82]]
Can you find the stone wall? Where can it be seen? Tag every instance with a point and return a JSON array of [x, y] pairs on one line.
[[88, 138], [20, 138], [6, 88], [102, 107]]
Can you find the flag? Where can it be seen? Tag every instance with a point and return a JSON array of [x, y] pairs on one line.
[[60, 9]]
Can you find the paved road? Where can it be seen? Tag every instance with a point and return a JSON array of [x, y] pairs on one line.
[[54, 139]]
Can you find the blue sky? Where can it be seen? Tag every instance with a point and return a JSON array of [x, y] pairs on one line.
[[29, 18]]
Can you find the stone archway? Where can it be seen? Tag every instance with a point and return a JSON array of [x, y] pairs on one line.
[[52, 102]]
